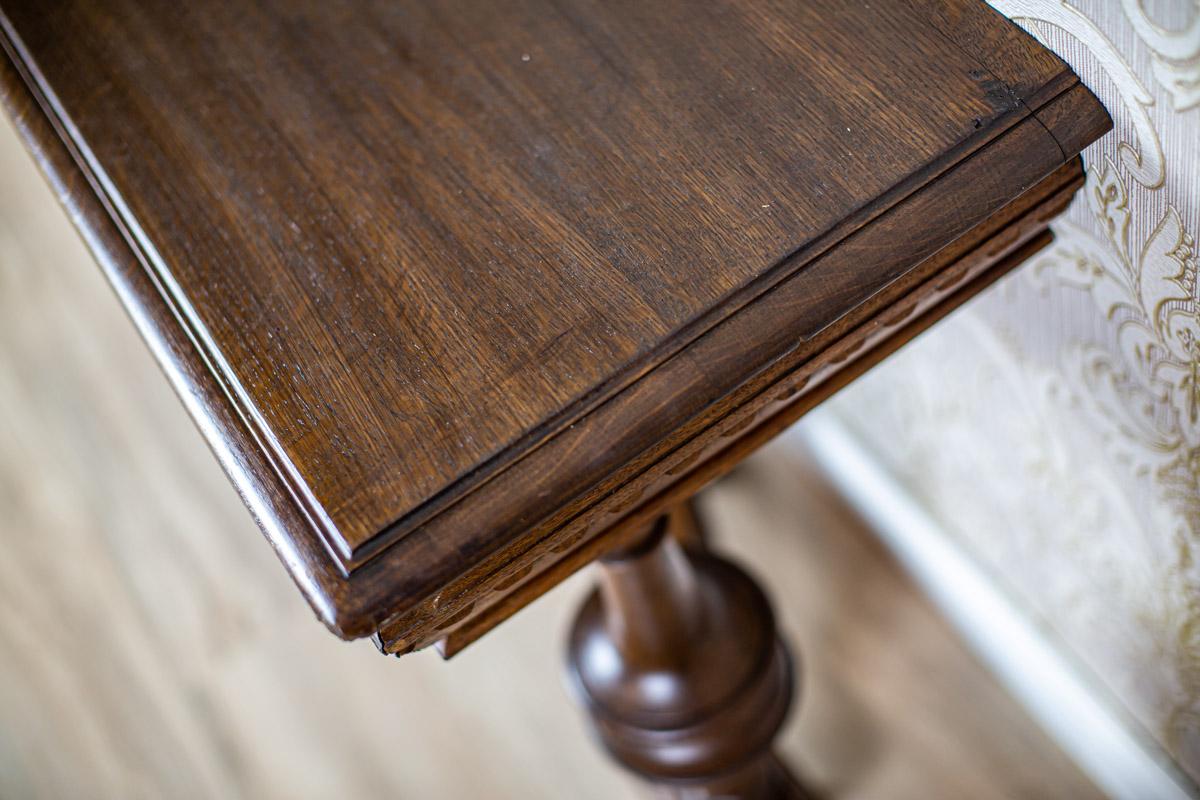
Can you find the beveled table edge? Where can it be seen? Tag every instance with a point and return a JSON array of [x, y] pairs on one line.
[[316, 519], [334, 595]]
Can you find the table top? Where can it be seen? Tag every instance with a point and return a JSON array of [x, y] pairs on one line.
[[434, 275]]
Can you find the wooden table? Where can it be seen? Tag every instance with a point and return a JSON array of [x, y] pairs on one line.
[[466, 295]]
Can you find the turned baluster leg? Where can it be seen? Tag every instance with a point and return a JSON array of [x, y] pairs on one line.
[[676, 657]]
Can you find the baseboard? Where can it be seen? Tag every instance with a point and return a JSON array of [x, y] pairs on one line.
[[1110, 748]]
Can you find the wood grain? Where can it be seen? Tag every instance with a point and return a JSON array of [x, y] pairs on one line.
[[411, 236], [804, 373], [439, 281]]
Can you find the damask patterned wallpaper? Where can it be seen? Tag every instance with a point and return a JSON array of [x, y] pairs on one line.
[[1053, 425]]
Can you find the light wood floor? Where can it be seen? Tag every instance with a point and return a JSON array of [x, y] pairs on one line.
[[151, 646]]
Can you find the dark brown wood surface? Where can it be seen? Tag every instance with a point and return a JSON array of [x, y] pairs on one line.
[[444, 284], [791, 387]]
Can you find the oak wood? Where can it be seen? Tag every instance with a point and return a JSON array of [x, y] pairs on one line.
[[1023, 231], [442, 310]]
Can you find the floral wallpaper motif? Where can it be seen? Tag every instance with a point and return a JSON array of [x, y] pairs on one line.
[[1053, 425]]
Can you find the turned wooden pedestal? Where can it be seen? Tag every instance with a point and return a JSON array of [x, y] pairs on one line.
[[677, 660]]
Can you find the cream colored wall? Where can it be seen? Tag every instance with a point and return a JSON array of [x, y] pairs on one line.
[[1053, 425]]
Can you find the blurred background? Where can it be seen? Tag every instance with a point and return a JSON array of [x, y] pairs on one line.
[[1033, 462]]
